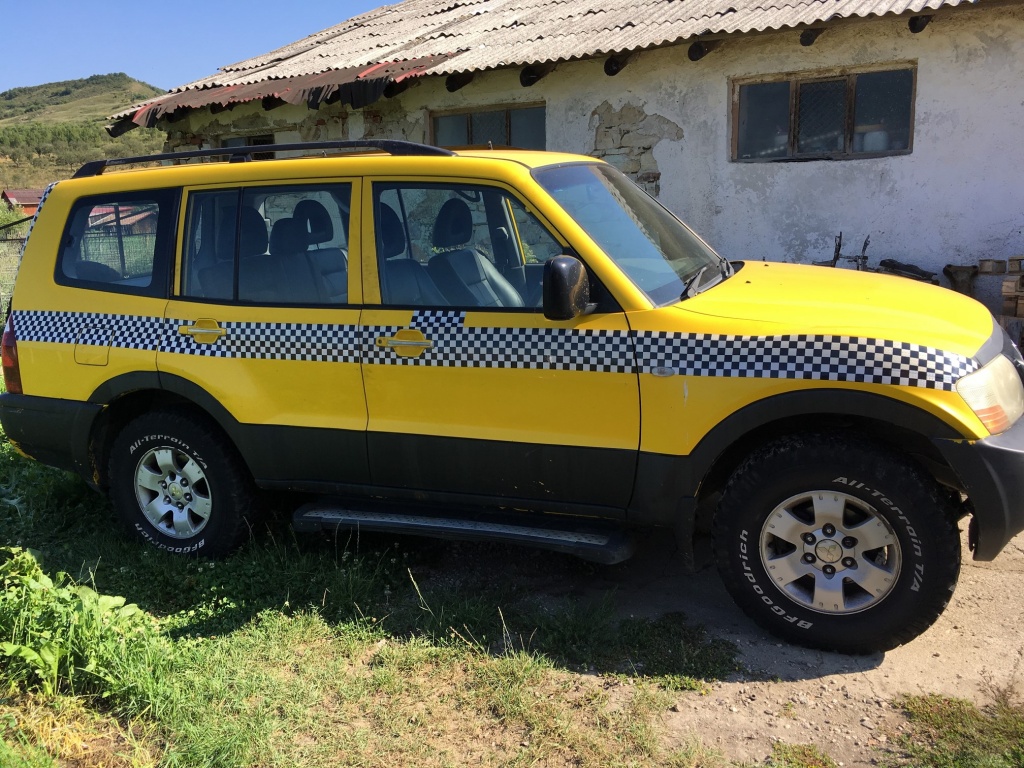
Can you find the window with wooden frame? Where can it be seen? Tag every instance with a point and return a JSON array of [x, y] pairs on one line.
[[836, 116], [252, 141], [522, 127]]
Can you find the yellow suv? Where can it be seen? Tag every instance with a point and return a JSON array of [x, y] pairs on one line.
[[510, 345]]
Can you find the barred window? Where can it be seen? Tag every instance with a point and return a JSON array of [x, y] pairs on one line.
[[522, 127], [120, 243], [252, 141], [851, 115]]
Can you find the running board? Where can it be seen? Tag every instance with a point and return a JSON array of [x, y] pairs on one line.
[[586, 538]]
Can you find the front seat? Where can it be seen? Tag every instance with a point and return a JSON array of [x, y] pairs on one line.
[[464, 275], [332, 262]]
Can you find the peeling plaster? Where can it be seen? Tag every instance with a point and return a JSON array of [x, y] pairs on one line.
[[626, 138]]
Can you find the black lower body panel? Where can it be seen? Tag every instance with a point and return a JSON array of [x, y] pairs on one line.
[[52, 431]]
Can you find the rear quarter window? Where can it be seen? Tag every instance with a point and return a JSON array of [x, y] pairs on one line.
[[122, 243]]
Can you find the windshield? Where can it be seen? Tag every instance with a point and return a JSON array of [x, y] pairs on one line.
[[659, 253]]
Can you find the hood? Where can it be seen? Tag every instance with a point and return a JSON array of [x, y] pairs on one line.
[[770, 298]]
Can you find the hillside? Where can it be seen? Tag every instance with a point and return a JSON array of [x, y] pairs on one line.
[[48, 131], [90, 100]]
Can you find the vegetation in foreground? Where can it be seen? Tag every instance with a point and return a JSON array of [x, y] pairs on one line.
[[355, 652], [958, 734], [313, 653]]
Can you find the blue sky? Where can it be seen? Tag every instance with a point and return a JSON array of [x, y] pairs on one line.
[[164, 45]]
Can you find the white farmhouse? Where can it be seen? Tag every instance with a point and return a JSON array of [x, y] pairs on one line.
[[768, 125]]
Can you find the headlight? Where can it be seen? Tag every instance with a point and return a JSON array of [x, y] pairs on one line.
[[995, 394]]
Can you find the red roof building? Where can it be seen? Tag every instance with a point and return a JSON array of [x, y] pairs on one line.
[[26, 199]]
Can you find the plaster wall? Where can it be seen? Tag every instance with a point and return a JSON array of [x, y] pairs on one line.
[[666, 120]]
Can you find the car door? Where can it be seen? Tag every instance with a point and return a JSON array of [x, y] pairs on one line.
[[469, 389], [266, 329]]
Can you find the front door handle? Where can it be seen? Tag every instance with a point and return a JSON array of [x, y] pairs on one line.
[[407, 342], [205, 330]]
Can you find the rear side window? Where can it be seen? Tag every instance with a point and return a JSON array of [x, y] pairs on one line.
[[120, 243]]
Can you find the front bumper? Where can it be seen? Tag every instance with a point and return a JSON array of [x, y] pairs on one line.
[[52, 431], [992, 473]]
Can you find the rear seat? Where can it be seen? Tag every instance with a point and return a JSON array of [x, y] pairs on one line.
[[287, 275]]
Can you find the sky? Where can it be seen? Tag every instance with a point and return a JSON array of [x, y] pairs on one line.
[[165, 45]]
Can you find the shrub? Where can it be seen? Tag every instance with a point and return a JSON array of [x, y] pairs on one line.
[[63, 637]]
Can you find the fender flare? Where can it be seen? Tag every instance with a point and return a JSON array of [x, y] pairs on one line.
[[668, 488]]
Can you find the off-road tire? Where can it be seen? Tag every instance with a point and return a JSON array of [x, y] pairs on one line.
[[883, 496], [199, 469]]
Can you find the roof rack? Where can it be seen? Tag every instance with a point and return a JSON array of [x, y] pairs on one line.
[[245, 154]]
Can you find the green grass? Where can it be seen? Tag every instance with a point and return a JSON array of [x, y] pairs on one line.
[[90, 99], [953, 733], [298, 652]]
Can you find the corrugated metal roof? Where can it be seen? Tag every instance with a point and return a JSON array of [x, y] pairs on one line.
[[420, 37], [23, 197]]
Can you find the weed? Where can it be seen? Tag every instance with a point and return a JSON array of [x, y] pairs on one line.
[[67, 638], [956, 733], [694, 754], [798, 756]]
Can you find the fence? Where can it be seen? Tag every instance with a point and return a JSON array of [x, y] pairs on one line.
[[10, 251]]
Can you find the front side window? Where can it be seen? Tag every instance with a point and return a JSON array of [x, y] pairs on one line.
[[659, 253], [862, 114], [458, 245], [521, 127], [268, 245], [120, 243]]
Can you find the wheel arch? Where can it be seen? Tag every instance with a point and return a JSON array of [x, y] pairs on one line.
[[125, 397], [893, 423]]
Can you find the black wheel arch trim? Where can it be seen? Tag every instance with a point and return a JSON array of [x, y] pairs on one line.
[[992, 472], [688, 477], [827, 403], [261, 446]]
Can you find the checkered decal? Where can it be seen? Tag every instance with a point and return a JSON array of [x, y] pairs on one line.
[[93, 328], [819, 358], [554, 349], [35, 218], [321, 343], [453, 344]]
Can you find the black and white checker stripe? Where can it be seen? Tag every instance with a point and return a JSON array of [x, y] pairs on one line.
[[91, 328], [35, 218], [813, 357], [317, 342], [453, 344]]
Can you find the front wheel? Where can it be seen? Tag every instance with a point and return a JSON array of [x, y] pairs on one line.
[[178, 484], [836, 543]]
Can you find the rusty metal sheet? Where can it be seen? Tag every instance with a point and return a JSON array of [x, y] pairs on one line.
[[418, 37], [356, 86]]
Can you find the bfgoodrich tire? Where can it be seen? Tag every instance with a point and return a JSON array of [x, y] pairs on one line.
[[178, 484], [837, 543]]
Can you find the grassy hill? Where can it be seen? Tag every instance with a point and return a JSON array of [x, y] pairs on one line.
[[89, 100], [47, 131]]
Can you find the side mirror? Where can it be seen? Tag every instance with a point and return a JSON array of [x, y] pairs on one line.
[[566, 288]]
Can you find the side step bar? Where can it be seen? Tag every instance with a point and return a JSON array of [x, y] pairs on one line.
[[588, 539]]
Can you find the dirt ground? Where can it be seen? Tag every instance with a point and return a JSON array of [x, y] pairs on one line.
[[842, 704]]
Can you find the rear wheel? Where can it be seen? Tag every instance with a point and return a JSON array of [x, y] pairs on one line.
[[178, 484], [837, 543]]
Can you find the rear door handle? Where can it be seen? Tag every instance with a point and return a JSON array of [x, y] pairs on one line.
[[205, 330]]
